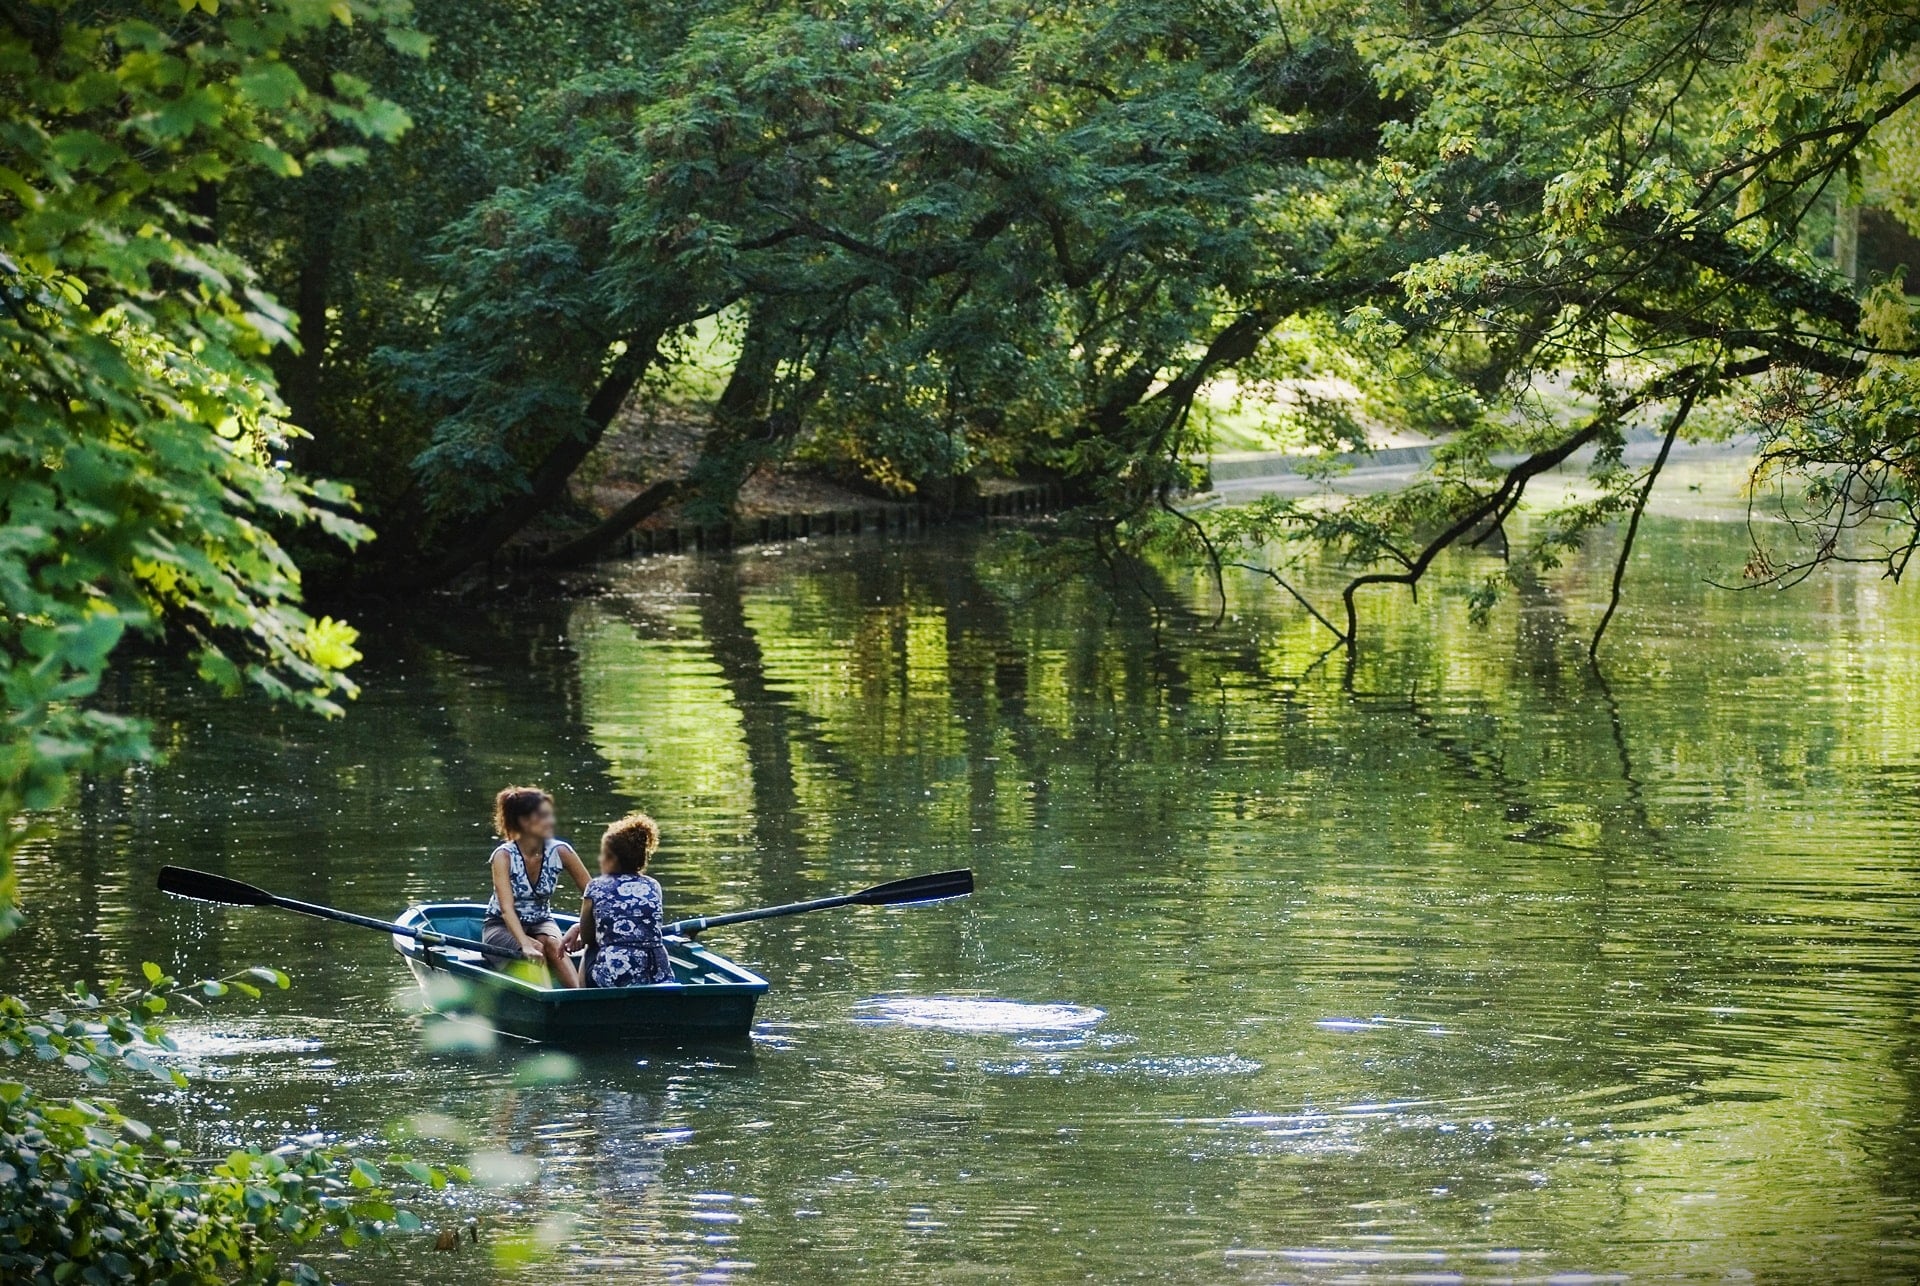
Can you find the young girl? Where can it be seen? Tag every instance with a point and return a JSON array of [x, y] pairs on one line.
[[526, 868], [620, 912]]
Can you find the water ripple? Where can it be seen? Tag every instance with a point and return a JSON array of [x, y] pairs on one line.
[[966, 1014]]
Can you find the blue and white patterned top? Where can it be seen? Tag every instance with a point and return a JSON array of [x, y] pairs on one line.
[[532, 899], [626, 929]]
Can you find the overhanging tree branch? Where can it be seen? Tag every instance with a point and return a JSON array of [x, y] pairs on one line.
[[1507, 495], [1674, 422], [589, 545], [1298, 597], [548, 481]]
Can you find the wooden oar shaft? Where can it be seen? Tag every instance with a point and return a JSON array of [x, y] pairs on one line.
[[431, 937], [224, 890], [701, 924], [345, 917]]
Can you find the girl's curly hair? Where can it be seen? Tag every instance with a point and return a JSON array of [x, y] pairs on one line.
[[631, 841]]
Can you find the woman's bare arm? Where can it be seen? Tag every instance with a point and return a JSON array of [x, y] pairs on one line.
[[586, 922], [574, 866], [577, 870]]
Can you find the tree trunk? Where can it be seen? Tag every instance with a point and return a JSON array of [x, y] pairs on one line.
[[743, 422], [549, 479], [590, 545]]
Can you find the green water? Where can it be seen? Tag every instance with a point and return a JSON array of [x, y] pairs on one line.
[[1464, 965]]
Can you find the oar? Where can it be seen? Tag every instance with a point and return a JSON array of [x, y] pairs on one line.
[[918, 888], [204, 886]]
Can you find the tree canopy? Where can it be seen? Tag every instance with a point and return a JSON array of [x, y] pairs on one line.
[[1632, 199], [991, 235]]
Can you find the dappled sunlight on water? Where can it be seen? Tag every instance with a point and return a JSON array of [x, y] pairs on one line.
[[1469, 964], [965, 1014]]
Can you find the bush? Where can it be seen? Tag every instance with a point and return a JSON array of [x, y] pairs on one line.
[[89, 1194]]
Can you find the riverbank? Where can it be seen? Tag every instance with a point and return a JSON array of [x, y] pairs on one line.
[[783, 501], [792, 501]]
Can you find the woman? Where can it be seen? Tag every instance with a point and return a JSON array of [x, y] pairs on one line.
[[526, 869], [620, 912]]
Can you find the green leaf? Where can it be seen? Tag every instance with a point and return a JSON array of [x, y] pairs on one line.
[[82, 149], [273, 86], [218, 668], [195, 109], [415, 44]]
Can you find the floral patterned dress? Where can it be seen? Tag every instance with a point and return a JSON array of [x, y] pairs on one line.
[[532, 898], [626, 927]]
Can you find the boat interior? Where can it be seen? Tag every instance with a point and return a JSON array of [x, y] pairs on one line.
[[692, 966]]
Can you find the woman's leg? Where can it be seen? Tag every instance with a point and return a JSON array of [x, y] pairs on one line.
[[494, 933], [558, 960]]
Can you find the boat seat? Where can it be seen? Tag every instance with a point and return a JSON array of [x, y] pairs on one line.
[[460, 926]]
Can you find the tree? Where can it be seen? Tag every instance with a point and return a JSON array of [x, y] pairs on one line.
[[1631, 197], [142, 489], [971, 232], [350, 249], [139, 431]]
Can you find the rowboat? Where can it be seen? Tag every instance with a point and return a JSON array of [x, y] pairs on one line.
[[710, 998]]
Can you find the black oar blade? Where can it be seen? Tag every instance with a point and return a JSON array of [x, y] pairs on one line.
[[918, 888], [208, 887]]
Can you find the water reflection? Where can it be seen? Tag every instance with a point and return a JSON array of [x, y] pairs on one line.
[[958, 1013], [1469, 964]]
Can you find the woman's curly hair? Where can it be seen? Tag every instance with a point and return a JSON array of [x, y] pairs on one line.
[[514, 805], [631, 841]]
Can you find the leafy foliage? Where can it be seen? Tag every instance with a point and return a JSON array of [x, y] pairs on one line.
[[89, 1194], [957, 234], [986, 234], [983, 234], [142, 478], [349, 248], [143, 487], [1618, 208]]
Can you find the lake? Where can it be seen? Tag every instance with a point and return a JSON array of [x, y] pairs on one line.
[[1463, 964]]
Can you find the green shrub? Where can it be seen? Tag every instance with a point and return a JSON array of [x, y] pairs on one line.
[[89, 1194]]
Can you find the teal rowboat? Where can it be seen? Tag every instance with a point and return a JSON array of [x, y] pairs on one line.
[[710, 998]]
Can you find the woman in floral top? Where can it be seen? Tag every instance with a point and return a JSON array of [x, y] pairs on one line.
[[620, 910], [526, 867]]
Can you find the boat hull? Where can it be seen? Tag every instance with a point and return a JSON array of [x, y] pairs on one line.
[[711, 998]]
